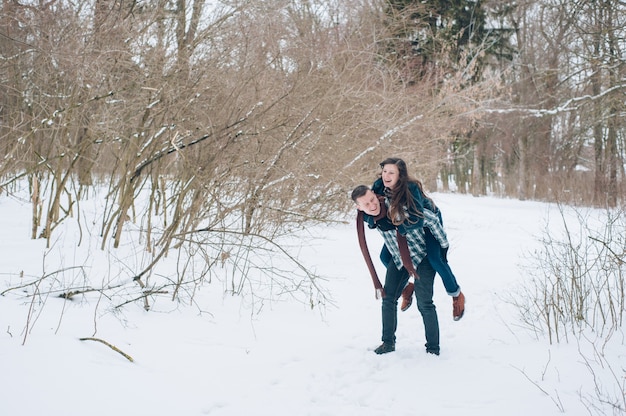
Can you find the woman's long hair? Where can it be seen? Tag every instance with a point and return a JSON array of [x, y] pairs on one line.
[[400, 196]]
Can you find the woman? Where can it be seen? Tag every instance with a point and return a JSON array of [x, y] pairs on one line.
[[409, 208]]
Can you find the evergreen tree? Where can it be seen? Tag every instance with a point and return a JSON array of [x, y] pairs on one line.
[[440, 37]]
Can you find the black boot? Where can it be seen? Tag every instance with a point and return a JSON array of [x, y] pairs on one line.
[[384, 348]]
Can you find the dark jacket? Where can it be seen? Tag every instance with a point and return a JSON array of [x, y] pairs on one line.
[[421, 203]]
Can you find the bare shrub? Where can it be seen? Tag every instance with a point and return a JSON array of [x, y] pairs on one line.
[[575, 292], [577, 278], [608, 394]]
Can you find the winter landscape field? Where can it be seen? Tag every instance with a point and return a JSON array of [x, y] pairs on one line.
[[224, 355]]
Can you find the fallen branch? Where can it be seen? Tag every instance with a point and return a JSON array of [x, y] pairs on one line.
[[113, 347]]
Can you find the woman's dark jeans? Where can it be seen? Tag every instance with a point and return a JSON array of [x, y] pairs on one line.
[[437, 258], [395, 280]]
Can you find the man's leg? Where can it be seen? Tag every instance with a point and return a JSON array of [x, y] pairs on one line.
[[395, 280], [424, 296]]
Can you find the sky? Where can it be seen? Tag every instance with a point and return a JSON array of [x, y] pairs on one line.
[[224, 355]]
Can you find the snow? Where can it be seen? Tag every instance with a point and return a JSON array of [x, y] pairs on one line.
[[290, 359]]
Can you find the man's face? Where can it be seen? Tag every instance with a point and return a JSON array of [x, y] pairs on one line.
[[368, 203], [390, 175]]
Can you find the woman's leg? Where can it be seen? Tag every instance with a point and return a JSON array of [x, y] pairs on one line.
[[440, 264], [437, 258]]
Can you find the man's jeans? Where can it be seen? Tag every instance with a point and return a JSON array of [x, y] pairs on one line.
[[395, 280]]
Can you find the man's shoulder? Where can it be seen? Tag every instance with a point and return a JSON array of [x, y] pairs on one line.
[[368, 219]]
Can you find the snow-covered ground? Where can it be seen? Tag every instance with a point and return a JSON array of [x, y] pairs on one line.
[[290, 359]]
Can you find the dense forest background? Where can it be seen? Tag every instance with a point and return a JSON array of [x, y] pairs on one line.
[[247, 118]]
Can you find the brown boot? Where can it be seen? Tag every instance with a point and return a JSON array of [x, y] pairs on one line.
[[458, 306], [407, 296]]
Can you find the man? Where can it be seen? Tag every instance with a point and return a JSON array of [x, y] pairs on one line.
[[406, 252]]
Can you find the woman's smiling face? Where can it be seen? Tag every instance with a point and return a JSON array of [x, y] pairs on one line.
[[390, 175]]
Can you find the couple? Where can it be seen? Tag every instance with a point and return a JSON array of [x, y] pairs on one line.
[[415, 248]]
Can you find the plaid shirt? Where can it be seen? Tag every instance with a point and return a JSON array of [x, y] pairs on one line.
[[414, 233], [431, 221], [415, 239]]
